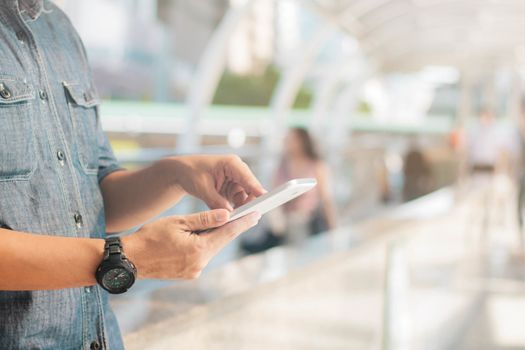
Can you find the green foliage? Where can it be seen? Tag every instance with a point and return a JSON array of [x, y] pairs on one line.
[[364, 108], [303, 99], [254, 90]]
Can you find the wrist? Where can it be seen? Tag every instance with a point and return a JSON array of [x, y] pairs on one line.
[[94, 248], [134, 250]]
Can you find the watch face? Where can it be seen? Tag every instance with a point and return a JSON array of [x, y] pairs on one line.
[[117, 279]]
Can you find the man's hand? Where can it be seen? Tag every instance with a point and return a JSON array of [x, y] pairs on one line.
[[169, 248], [220, 181]]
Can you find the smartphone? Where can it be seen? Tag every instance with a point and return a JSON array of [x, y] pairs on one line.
[[273, 199]]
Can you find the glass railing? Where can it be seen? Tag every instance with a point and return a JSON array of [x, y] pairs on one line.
[[335, 290], [429, 274]]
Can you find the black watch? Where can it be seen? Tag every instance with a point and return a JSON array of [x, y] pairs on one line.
[[116, 273]]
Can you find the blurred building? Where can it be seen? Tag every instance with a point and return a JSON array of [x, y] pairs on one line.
[[127, 51], [252, 46], [149, 49], [190, 25]]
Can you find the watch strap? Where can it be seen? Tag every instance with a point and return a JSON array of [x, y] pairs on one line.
[[113, 246], [113, 251]]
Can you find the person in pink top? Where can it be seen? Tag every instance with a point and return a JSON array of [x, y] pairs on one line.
[[314, 211]]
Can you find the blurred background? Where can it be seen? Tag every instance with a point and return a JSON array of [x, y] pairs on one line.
[[408, 112]]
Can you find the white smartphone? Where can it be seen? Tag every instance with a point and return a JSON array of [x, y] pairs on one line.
[[271, 200]]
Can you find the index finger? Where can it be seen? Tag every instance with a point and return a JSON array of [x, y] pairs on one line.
[[241, 173], [218, 238]]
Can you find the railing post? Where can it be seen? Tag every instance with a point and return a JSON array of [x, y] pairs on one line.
[[396, 314]]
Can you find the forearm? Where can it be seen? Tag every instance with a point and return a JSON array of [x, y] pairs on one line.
[[134, 197], [40, 262]]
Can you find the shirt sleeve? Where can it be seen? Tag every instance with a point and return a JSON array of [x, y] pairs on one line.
[[107, 162]]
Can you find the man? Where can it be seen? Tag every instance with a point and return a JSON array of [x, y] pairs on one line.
[[61, 190]]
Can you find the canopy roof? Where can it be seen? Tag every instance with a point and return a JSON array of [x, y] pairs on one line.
[[407, 34]]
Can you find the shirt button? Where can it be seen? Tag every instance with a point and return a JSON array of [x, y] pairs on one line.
[[43, 95], [61, 156], [95, 345], [4, 93], [78, 220], [20, 36], [88, 289]]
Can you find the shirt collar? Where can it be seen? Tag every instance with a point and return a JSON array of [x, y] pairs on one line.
[[31, 8]]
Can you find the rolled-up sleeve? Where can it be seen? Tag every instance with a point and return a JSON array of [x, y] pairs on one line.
[[107, 162]]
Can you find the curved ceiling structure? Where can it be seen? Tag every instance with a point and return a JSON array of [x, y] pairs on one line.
[[407, 34]]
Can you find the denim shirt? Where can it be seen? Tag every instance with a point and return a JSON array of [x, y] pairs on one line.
[[53, 155]]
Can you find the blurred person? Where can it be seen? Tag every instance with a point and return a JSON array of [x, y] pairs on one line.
[[484, 145], [486, 162], [456, 139], [309, 214], [521, 173], [417, 174], [313, 212], [62, 191], [384, 181]]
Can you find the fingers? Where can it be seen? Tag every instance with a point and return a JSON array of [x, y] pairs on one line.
[[206, 219], [223, 235], [215, 200], [239, 172], [249, 199], [234, 192], [239, 199], [230, 193]]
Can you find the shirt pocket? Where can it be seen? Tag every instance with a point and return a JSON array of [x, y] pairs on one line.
[[83, 105], [17, 139]]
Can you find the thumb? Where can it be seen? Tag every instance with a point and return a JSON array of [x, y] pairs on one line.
[[223, 235], [207, 219], [214, 200]]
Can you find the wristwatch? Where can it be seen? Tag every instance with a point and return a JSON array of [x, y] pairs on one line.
[[116, 273]]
